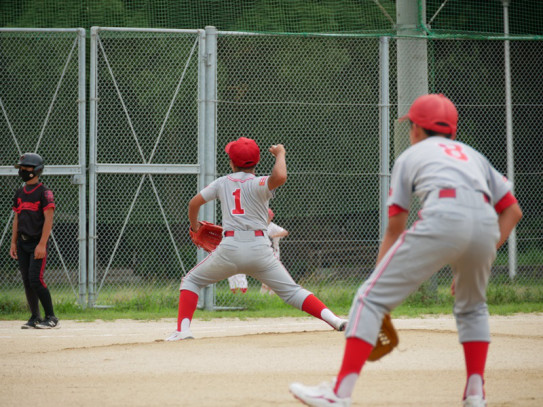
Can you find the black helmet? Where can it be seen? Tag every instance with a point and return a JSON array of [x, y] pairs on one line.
[[31, 160]]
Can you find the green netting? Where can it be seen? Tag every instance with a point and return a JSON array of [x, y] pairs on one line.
[[486, 17], [295, 16], [239, 15]]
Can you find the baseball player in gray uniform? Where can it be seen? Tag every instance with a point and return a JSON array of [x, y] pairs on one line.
[[275, 233], [468, 212], [245, 247]]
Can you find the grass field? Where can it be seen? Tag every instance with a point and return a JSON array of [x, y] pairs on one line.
[[160, 303]]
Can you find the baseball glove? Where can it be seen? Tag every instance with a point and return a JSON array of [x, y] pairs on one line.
[[208, 236], [387, 340]]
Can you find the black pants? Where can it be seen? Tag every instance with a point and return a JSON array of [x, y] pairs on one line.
[[32, 271]]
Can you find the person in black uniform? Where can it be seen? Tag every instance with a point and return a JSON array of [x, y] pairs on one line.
[[34, 206]]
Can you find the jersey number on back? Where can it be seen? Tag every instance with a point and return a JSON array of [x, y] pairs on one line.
[[238, 210], [454, 152]]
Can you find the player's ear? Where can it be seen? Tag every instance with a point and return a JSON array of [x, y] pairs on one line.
[[421, 132], [416, 133]]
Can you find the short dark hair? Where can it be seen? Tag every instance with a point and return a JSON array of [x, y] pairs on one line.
[[432, 133], [245, 168]]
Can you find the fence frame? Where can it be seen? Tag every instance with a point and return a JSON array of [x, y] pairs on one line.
[[145, 168], [205, 48], [77, 172]]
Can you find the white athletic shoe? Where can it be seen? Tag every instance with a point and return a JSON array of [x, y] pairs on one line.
[[474, 401], [318, 396], [180, 335]]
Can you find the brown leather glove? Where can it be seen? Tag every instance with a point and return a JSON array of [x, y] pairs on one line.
[[387, 340]]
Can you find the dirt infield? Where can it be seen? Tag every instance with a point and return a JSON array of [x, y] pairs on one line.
[[251, 362]]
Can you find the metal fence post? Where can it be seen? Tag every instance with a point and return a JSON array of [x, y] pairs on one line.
[[384, 110], [92, 167], [411, 66], [209, 164], [512, 243], [80, 179], [202, 62]]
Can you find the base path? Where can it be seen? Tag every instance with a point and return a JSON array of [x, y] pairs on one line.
[[251, 362]]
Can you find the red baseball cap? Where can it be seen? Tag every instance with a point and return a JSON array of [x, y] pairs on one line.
[[434, 112], [243, 152]]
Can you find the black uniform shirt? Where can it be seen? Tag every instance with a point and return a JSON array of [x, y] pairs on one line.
[[29, 203]]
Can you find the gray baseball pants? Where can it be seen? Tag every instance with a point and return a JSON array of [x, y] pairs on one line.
[[245, 253], [461, 231]]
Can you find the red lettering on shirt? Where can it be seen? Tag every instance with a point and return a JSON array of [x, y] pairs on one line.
[[27, 206], [454, 152]]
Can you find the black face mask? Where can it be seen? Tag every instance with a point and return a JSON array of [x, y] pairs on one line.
[[26, 175]]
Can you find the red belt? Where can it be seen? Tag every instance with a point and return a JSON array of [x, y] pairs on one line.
[[230, 233], [451, 193]]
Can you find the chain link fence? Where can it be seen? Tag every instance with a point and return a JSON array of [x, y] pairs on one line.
[[42, 110], [320, 97], [144, 160], [164, 103]]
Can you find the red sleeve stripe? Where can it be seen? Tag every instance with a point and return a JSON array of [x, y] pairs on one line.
[[395, 209], [50, 206], [508, 200]]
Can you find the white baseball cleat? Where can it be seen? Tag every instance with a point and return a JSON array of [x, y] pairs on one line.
[[342, 325], [318, 396], [180, 335], [474, 401]]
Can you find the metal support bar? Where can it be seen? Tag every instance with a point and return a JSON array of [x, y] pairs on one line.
[[411, 65], [121, 232], [512, 241], [200, 254], [166, 223], [146, 169], [10, 128], [93, 112], [118, 90], [210, 137], [384, 125], [81, 178], [48, 170], [54, 99], [173, 101]]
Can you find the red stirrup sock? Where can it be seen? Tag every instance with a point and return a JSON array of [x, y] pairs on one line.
[[188, 301], [475, 354], [313, 306], [356, 353]]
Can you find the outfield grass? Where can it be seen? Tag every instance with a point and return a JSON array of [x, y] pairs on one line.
[[162, 303], [110, 314]]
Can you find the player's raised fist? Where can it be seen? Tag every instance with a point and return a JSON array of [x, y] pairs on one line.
[[277, 149]]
